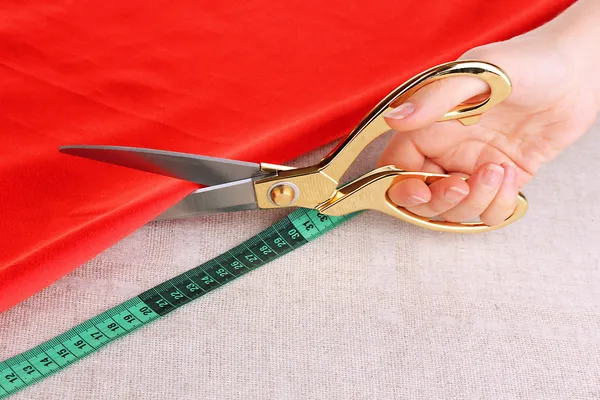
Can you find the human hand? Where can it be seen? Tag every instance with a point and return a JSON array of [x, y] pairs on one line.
[[551, 106]]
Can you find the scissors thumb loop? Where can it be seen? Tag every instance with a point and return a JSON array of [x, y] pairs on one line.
[[498, 82], [373, 125]]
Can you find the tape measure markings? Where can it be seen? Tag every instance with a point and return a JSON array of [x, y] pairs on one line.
[[285, 235]]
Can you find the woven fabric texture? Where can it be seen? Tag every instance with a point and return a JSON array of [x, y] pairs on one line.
[[375, 309]]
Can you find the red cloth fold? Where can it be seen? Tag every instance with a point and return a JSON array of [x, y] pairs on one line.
[[257, 81]]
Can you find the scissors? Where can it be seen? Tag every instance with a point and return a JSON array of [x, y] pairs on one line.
[[233, 185]]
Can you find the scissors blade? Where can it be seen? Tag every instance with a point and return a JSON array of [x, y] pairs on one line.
[[227, 197], [190, 167]]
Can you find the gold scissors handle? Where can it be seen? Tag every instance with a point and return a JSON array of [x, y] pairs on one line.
[[318, 186]]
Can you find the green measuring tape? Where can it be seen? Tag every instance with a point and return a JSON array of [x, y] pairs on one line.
[[293, 231]]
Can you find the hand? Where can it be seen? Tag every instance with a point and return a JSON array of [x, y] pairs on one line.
[[551, 106]]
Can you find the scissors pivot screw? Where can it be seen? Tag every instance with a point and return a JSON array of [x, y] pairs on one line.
[[283, 194]]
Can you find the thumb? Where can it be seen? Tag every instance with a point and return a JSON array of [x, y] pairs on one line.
[[428, 104]]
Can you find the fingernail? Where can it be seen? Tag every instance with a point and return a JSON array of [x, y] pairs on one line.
[[414, 200], [510, 172], [400, 112], [454, 194], [492, 175]]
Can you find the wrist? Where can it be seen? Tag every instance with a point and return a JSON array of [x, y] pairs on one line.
[[575, 35]]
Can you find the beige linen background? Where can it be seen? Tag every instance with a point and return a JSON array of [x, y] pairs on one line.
[[376, 309]]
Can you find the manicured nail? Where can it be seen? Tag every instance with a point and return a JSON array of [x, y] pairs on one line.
[[454, 194], [492, 175], [400, 112], [414, 200], [510, 172]]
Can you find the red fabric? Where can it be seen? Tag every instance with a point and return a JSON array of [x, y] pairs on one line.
[[255, 80]]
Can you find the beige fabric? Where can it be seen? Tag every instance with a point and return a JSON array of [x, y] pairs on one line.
[[376, 309]]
